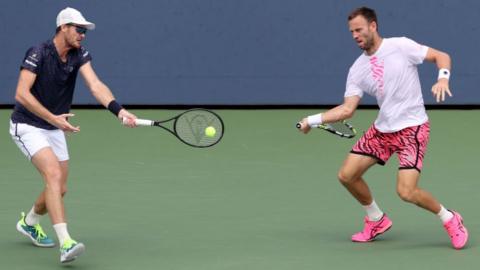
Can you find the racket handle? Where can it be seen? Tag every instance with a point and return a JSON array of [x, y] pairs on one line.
[[298, 125], [143, 122], [140, 122]]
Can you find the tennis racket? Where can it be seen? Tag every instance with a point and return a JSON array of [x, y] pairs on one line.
[[340, 128], [196, 127]]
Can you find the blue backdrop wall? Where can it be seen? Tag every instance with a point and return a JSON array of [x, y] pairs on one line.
[[239, 52]]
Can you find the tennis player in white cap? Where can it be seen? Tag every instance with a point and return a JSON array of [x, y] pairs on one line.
[[40, 119]]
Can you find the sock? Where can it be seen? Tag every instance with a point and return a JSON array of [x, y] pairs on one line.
[[32, 218], [444, 214], [373, 211], [62, 233]]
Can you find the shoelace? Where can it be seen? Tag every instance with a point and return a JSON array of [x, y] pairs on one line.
[[451, 230], [39, 231], [374, 227], [67, 246]]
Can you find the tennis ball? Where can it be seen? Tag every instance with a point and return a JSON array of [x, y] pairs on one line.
[[210, 131]]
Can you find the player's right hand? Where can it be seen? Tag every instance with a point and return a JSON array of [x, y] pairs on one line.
[[61, 122], [304, 127], [127, 118]]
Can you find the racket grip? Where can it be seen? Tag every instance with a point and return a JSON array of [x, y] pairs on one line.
[[143, 122], [298, 125], [140, 122]]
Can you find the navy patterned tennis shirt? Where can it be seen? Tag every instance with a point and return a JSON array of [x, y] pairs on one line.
[[54, 84]]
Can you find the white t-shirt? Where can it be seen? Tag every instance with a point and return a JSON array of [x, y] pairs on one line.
[[391, 75]]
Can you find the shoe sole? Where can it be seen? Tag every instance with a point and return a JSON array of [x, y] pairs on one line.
[[74, 253], [373, 238], [35, 242]]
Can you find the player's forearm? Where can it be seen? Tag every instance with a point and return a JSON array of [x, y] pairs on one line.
[[443, 60], [102, 93], [341, 112], [338, 113]]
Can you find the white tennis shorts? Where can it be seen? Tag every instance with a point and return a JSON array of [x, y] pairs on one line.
[[31, 139]]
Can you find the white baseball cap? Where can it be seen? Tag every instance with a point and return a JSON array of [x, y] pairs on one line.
[[71, 15]]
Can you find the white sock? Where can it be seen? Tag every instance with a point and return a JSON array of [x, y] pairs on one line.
[[373, 211], [32, 218], [444, 214], [62, 233]]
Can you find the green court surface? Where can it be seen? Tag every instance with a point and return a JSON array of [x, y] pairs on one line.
[[265, 197]]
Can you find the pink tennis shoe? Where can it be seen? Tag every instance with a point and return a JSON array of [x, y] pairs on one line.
[[456, 230], [372, 229]]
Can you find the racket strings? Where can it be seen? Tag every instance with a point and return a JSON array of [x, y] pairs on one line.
[[191, 128]]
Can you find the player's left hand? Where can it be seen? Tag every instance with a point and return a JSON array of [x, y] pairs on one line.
[[440, 88], [127, 118], [304, 127]]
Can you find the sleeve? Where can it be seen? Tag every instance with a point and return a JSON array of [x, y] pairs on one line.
[[352, 87], [32, 60], [415, 52], [84, 56]]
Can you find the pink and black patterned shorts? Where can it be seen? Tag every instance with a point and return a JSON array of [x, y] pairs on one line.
[[410, 144]]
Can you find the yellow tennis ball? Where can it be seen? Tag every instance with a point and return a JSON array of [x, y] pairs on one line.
[[210, 131]]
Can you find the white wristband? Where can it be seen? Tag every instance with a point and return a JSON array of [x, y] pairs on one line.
[[314, 120], [444, 73]]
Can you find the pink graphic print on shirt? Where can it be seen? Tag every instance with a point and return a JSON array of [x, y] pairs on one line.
[[377, 68]]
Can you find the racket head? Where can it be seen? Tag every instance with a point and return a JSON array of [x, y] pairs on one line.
[[191, 128], [340, 128]]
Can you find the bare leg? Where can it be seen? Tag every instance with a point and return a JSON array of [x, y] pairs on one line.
[[55, 177], [407, 189], [350, 175], [40, 204]]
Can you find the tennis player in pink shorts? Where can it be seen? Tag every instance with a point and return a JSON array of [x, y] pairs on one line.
[[409, 143], [387, 70]]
